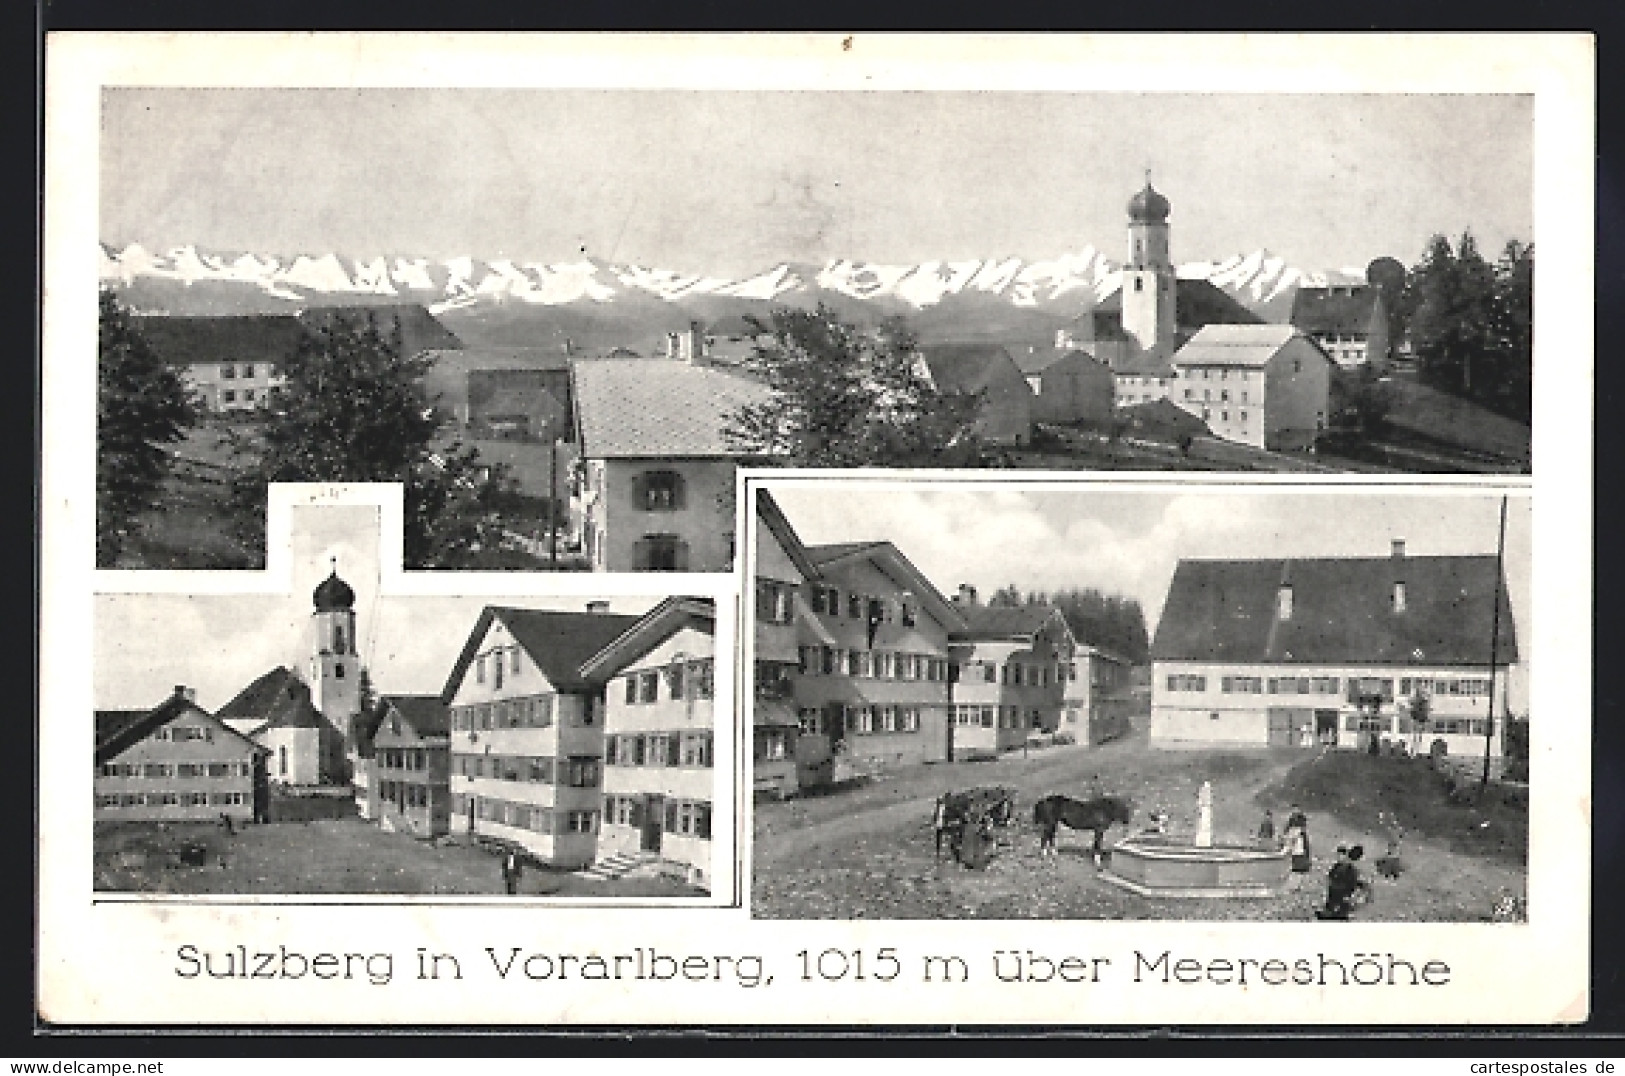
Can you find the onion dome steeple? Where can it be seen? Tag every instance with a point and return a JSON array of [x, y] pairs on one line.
[[1147, 206], [333, 594]]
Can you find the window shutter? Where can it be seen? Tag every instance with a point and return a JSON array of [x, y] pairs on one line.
[[702, 820], [678, 492], [679, 558], [640, 491], [671, 817]]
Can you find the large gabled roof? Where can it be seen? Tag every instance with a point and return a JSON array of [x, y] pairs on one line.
[[254, 338], [966, 368], [1342, 612], [771, 516], [1343, 308], [889, 560], [1039, 359], [1196, 303], [1237, 345], [118, 730], [658, 408], [557, 642], [1004, 621], [276, 699], [426, 714], [420, 330], [650, 630]]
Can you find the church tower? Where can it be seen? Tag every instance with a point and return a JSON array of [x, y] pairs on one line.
[[1148, 278], [335, 664]]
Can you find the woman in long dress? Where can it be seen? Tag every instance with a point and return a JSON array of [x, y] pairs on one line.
[[1297, 840]]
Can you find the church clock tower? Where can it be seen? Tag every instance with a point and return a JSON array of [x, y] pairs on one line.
[[335, 664], [1148, 278]]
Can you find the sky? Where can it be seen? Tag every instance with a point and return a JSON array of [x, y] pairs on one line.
[[217, 644], [1128, 543], [733, 182]]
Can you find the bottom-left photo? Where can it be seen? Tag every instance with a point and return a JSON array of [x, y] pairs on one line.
[[335, 739]]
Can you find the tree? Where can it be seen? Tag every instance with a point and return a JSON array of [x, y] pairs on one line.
[[1454, 291], [1511, 328], [141, 405], [1389, 276], [1095, 618], [1006, 597], [847, 396], [353, 409], [1421, 709]]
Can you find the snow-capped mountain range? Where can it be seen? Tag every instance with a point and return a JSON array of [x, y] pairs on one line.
[[1069, 282]]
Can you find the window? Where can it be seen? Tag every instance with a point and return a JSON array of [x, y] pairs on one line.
[[660, 491], [1186, 682], [228, 395], [479, 669], [674, 679], [581, 772], [908, 614], [660, 553], [515, 653], [854, 606], [248, 394], [228, 371], [248, 371], [648, 686], [579, 822], [338, 672], [696, 749]]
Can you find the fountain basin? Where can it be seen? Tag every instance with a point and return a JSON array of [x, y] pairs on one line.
[[1160, 867]]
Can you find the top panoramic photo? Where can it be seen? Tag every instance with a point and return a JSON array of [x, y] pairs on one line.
[[564, 318]]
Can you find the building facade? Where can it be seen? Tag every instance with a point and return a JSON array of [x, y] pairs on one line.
[[1012, 663], [527, 731], [874, 669], [1309, 652], [659, 777], [783, 760], [176, 763], [654, 488], [1348, 321], [1268, 386], [408, 786], [1005, 415]]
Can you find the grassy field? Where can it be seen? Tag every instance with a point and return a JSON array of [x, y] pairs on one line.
[[326, 856], [868, 851]]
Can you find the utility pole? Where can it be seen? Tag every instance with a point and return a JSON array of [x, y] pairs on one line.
[[1495, 641]]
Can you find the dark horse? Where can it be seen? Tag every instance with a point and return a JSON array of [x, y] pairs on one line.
[[979, 810], [1096, 814]]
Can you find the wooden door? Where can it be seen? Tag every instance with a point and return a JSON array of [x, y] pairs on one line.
[[654, 820]]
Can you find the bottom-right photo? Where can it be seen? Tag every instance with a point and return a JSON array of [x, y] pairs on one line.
[[1139, 700]]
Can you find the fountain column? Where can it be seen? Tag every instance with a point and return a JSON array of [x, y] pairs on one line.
[[1204, 816]]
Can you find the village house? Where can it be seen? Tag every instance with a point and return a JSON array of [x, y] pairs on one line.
[[503, 393], [659, 777], [1310, 651], [1012, 664], [1268, 386], [1069, 385], [230, 363], [988, 371], [176, 763], [1097, 704], [782, 760], [654, 487], [874, 669], [1348, 321], [408, 785], [527, 730]]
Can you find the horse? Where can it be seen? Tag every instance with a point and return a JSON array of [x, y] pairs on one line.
[[1095, 814], [980, 808]]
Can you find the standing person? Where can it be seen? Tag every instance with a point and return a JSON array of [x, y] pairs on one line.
[[1266, 830], [510, 873], [1297, 840]]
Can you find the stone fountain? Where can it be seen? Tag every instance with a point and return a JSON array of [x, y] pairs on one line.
[[1159, 865]]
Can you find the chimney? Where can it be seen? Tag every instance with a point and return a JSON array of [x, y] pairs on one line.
[[966, 595], [1283, 602], [187, 693], [694, 344], [598, 606], [1398, 548]]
